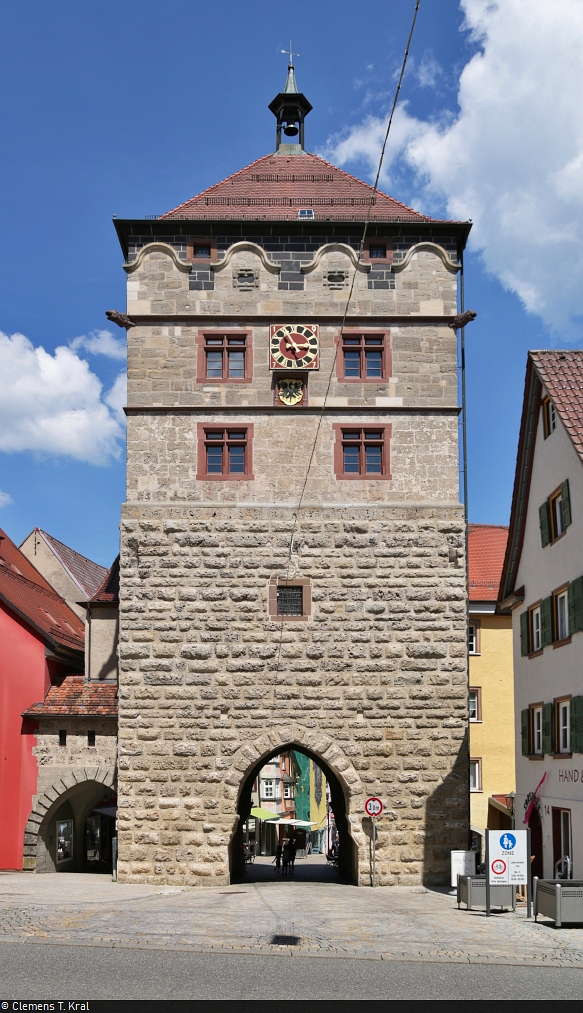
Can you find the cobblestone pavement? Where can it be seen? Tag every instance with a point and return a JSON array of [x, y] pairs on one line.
[[277, 916]]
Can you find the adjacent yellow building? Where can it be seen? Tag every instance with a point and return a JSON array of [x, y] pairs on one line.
[[492, 765]]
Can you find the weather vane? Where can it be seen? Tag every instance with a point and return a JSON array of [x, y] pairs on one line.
[[290, 54]]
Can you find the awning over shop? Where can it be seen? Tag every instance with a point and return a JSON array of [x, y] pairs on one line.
[[292, 823], [263, 814]]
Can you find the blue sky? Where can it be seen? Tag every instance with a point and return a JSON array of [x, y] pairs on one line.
[[131, 108]]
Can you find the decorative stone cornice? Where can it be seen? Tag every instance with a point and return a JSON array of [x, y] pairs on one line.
[[342, 248], [439, 251], [246, 247], [157, 248]]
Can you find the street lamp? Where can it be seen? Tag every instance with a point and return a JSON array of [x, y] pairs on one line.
[[510, 805]]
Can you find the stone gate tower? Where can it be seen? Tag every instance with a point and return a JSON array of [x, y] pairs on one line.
[[249, 626]]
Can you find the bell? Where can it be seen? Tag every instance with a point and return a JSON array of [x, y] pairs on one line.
[[290, 130]]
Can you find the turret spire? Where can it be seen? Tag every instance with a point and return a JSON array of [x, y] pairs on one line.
[[290, 108]]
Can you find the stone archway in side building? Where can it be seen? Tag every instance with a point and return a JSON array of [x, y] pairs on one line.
[[68, 803], [347, 795]]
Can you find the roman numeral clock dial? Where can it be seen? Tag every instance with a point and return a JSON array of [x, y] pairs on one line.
[[293, 346]]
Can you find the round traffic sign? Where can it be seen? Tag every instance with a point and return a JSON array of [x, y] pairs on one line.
[[498, 867], [373, 806]]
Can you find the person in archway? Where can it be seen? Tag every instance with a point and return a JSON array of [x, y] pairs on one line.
[[277, 858], [292, 854]]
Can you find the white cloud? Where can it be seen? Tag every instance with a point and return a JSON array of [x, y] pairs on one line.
[[5, 499], [116, 398], [429, 71], [101, 343], [53, 404], [511, 158]]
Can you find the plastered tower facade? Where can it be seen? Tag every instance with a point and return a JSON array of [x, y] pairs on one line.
[[368, 675]]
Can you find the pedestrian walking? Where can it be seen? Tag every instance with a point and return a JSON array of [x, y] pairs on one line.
[[277, 858], [285, 859], [292, 855]]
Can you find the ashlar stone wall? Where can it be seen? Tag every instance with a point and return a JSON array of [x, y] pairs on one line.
[[374, 681]]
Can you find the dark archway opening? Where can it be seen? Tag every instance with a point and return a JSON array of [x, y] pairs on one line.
[[347, 855], [77, 833]]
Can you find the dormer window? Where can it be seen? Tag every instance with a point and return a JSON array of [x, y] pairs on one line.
[[306, 214]]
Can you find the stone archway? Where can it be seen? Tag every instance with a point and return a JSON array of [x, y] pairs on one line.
[[347, 793], [80, 791]]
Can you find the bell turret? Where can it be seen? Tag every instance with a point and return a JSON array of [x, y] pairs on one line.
[[290, 108]]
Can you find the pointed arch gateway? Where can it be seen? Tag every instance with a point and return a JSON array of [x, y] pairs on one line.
[[346, 790]]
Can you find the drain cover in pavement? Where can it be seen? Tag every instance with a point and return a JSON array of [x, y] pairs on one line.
[[285, 941]]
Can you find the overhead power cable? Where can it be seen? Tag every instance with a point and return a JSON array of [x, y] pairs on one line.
[[346, 308]]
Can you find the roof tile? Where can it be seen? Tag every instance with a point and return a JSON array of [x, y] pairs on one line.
[[86, 574], [276, 186], [24, 589], [486, 549], [72, 695], [561, 372], [108, 590]]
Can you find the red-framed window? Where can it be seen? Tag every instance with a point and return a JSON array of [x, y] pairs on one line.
[[225, 357], [363, 357], [201, 250], [379, 250], [362, 452], [224, 452], [290, 600]]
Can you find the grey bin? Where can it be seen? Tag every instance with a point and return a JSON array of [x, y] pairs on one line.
[[559, 899], [471, 891]]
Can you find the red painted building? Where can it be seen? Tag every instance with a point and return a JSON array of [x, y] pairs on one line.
[[41, 641]]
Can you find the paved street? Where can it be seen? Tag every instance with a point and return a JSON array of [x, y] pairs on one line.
[[56, 972], [107, 940]]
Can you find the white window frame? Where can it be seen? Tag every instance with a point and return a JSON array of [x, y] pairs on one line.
[[552, 417], [562, 615], [564, 725], [473, 645], [566, 835], [268, 788], [557, 527], [537, 731], [535, 626], [475, 691], [288, 791], [475, 774]]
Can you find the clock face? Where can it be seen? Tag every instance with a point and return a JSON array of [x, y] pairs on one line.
[[293, 346]]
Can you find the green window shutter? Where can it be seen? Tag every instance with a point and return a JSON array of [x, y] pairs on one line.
[[546, 621], [524, 645], [566, 504], [525, 726], [576, 605], [545, 523], [547, 728], [577, 724]]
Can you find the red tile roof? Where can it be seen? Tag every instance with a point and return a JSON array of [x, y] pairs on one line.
[[276, 186], [562, 375], [108, 590], [71, 695], [86, 574], [26, 591], [486, 549]]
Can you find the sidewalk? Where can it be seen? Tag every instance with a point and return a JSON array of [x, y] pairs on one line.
[[273, 915]]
